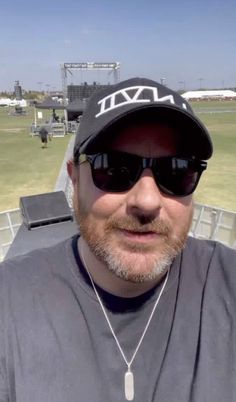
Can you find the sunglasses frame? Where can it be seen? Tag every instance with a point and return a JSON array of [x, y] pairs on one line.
[[146, 163]]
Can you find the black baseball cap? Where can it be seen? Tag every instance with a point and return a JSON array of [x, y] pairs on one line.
[[130, 98]]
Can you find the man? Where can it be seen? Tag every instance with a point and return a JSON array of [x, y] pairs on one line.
[[133, 308], [44, 135]]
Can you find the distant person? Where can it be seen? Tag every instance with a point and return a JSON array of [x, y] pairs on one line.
[[55, 117], [44, 136], [131, 308]]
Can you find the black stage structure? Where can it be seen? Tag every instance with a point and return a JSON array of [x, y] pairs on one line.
[[47, 220]]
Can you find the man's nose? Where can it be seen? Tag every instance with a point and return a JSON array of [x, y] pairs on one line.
[[145, 198]]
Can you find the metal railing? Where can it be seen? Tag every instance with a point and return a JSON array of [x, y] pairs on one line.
[[215, 224], [10, 222]]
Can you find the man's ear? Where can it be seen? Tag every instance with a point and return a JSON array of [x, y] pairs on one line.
[[72, 171]]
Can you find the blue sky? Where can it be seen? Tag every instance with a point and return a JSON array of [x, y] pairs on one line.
[[181, 41]]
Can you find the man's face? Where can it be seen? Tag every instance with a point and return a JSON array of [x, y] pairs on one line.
[[136, 233]]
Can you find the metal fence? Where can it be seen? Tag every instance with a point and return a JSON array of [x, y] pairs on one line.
[[10, 222], [214, 223]]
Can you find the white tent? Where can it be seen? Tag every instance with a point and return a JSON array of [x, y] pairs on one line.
[[211, 94], [5, 101], [12, 102]]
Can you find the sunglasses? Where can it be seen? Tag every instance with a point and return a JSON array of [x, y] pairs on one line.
[[117, 171]]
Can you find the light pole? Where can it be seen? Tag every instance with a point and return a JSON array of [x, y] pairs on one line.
[[182, 85], [48, 86], [200, 82], [40, 83]]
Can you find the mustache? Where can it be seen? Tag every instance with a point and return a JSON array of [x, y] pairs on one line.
[[134, 224]]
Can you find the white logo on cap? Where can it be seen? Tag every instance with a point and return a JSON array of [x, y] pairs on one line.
[[114, 101]]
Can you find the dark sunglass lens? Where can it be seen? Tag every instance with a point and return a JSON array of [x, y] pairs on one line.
[[177, 176], [115, 171]]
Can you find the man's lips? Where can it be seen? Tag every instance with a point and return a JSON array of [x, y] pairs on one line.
[[140, 236]]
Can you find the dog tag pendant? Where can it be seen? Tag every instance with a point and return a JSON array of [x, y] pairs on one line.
[[129, 385]]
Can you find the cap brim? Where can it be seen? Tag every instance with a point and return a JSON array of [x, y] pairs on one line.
[[194, 132]]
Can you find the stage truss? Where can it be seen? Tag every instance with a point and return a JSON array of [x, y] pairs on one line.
[[113, 67]]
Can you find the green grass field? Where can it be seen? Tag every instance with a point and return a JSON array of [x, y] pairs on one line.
[[27, 169], [217, 186]]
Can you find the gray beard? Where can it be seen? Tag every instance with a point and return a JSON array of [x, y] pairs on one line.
[[120, 270], [114, 262], [112, 259]]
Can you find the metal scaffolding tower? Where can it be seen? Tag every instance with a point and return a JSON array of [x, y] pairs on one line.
[[66, 68]]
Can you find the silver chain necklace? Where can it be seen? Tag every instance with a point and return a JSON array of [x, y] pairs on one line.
[[129, 376]]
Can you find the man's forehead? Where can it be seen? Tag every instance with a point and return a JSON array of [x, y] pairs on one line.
[[145, 134]]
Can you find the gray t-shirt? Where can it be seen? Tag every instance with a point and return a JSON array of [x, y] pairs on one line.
[[55, 345]]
